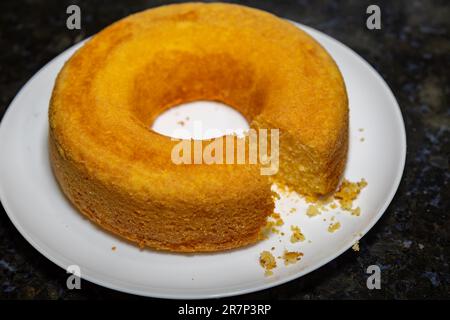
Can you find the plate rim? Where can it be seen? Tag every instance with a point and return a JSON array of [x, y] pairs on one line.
[[193, 295]]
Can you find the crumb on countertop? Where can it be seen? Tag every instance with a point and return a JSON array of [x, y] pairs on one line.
[[355, 247]]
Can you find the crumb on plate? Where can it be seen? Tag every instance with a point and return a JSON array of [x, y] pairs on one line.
[[297, 235], [356, 211], [277, 218], [312, 211], [268, 262], [291, 257], [348, 191], [334, 227]]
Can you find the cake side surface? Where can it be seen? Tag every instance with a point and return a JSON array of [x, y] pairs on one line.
[[120, 174]]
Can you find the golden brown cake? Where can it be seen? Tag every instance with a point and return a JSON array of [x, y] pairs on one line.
[[119, 173]]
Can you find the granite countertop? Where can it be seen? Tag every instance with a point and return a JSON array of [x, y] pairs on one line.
[[411, 52]]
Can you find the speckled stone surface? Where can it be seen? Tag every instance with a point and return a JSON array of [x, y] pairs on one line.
[[412, 53]]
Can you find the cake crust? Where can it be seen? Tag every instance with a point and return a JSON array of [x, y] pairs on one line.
[[119, 173]]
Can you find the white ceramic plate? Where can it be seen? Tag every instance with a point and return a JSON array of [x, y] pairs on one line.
[[41, 213]]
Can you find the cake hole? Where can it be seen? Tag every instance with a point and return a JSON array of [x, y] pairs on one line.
[[200, 120]]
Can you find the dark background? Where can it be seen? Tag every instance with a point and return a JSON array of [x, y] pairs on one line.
[[412, 53]]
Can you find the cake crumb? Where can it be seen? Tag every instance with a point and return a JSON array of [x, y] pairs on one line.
[[264, 232], [277, 218], [181, 123], [113, 248], [348, 191], [312, 211], [361, 129], [291, 257], [333, 206], [310, 199], [334, 227], [273, 222], [268, 262], [268, 273], [356, 211], [275, 230], [292, 210], [355, 247], [275, 196], [297, 235], [362, 139]]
